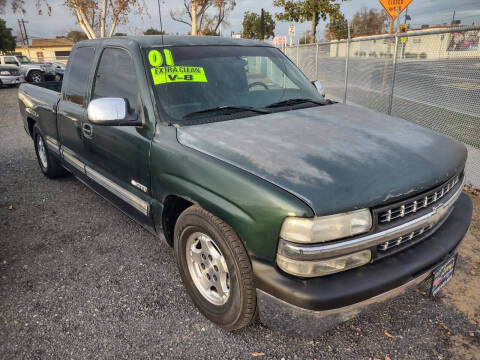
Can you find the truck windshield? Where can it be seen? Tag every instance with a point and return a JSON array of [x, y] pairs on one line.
[[24, 59], [198, 82]]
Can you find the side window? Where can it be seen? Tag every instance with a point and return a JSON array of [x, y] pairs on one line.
[[82, 62], [116, 77], [10, 60]]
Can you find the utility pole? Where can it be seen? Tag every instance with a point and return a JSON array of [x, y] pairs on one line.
[[262, 25], [25, 31], [21, 32], [160, 16]]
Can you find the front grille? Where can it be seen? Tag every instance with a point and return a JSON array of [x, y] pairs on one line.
[[410, 207], [387, 245]]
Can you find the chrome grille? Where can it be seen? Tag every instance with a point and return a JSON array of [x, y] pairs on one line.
[[403, 239], [410, 207]]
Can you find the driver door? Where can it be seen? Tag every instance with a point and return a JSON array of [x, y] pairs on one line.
[[118, 156]]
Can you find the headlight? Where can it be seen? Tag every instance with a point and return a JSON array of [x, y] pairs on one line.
[[4, 72], [323, 267], [325, 228]]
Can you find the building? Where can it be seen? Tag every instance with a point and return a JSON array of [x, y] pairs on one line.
[[431, 45], [41, 50]]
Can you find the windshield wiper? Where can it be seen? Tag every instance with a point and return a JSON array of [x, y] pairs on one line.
[[291, 102], [227, 107]]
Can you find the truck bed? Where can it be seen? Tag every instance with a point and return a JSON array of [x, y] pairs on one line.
[[38, 103]]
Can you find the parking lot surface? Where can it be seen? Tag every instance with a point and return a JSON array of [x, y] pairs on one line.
[[78, 279]]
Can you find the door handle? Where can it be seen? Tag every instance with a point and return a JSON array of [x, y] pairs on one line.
[[87, 130]]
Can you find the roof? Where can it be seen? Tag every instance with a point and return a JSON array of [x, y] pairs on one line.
[[187, 40], [52, 42]]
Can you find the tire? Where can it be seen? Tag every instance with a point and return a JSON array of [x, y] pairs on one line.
[[194, 228], [35, 76], [50, 166]]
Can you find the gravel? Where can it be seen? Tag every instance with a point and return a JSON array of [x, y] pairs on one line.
[[79, 279]]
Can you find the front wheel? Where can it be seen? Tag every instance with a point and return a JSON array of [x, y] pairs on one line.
[[215, 268], [35, 76]]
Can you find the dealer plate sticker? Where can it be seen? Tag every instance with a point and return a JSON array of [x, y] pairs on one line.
[[443, 274]]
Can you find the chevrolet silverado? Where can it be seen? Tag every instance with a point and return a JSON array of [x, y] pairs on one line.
[[278, 203]]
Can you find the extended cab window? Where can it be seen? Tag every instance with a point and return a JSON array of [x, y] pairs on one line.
[[116, 77], [82, 62]]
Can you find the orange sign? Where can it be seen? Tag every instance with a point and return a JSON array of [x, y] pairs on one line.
[[394, 7]]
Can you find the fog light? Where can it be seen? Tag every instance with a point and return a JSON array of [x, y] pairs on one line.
[[323, 267]]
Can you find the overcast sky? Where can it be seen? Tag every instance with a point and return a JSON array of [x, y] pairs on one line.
[[431, 12]]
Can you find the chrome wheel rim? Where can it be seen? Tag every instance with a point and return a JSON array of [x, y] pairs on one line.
[[42, 152], [36, 77], [208, 268]]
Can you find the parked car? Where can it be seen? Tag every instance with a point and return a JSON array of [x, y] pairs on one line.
[[10, 76], [59, 70], [32, 72], [275, 200]]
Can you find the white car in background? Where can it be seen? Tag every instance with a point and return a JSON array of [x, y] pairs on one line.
[[32, 72], [10, 75]]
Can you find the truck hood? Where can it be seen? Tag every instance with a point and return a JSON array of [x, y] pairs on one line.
[[336, 158]]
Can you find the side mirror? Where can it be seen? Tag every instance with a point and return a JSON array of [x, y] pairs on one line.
[[111, 112], [318, 85]]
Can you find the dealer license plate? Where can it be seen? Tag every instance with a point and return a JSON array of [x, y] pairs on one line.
[[443, 274]]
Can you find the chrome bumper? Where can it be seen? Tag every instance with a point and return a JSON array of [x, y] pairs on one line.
[[278, 314], [11, 80]]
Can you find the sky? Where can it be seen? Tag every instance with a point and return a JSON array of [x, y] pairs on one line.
[[432, 12]]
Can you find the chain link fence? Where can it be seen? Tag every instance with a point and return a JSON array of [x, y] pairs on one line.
[[430, 77]]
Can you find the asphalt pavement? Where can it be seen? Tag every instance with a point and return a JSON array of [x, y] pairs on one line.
[[78, 279]]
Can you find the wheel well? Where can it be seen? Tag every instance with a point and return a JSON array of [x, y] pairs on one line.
[[31, 123], [173, 206]]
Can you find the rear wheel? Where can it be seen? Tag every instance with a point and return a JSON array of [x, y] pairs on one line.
[[215, 268], [50, 166], [35, 76]]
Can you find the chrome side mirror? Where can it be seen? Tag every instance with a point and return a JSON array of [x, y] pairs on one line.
[[318, 85], [110, 111]]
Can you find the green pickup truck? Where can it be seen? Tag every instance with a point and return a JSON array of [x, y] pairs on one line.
[[278, 203]]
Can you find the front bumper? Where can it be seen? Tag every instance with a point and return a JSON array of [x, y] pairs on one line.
[[307, 307], [11, 80]]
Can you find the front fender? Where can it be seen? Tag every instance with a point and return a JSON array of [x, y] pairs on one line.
[[253, 207]]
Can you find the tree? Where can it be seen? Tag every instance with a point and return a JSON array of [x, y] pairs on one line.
[[76, 36], [153, 31], [7, 40], [337, 28], [306, 38], [203, 16], [252, 23], [17, 5], [307, 10], [94, 16], [369, 22]]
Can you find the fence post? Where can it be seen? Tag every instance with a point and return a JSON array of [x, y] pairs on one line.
[[346, 64], [316, 63], [394, 71], [297, 54]]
